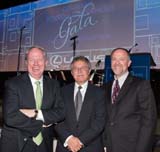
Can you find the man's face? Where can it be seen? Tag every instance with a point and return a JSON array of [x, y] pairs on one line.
[[120, 62], [36, 63], [80, 71]]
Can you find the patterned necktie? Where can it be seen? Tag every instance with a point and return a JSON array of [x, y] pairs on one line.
[[115, 93], [39, 138], [78, 102]]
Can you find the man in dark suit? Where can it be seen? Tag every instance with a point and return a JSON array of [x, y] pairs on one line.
[[131, 110], [81, 132], [23, 118]]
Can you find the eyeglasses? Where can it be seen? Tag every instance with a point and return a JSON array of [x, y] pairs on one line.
[[76, 69]]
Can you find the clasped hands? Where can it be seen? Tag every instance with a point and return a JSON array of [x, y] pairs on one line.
[[74, 144]]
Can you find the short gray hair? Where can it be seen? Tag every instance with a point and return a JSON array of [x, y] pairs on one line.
[[81, 58], [38, 47]]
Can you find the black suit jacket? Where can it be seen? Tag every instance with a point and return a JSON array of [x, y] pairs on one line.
[[91, 120], [131, 120], [18, 128]]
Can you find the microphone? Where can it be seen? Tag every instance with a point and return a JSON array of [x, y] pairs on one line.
[[74, 37], [132, 47]]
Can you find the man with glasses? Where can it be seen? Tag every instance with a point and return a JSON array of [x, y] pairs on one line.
[[81, 131]]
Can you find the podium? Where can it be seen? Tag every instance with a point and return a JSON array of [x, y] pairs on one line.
[[140, 66]]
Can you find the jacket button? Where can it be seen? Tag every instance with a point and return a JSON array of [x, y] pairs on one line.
[[25, 139]]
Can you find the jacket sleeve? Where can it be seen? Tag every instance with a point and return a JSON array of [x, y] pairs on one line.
[[148, 121], [13, 117]]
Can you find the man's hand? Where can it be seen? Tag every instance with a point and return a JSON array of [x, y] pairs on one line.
[[74, 144], [28, 112]]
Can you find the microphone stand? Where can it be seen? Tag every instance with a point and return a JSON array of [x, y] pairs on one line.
[[132, 47], [74, 45], [49, 73], [19, 50]]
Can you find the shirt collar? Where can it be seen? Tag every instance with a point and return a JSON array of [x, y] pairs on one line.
[[33, 80], [84, 85], [122, 78]]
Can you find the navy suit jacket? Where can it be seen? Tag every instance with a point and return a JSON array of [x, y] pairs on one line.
[[131, 120], [18, 128], [91, 121]]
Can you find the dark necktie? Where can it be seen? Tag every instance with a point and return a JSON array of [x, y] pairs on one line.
[[115, 93], [78, 102]]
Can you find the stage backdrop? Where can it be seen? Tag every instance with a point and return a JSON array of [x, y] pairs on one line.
[[98, 26]]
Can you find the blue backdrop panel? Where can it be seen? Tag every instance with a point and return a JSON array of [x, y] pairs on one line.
[[140, 66]]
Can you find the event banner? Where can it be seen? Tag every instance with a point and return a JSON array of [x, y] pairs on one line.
[[80, 27]]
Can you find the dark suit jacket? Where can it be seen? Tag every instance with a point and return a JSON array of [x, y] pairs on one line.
[[91, 120], [131, 120], [18, 128]]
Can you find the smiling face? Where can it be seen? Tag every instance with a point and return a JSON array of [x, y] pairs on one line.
[[36, 62], [120, 62], [80, 71]]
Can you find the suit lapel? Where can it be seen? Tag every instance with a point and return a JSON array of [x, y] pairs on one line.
[[70, 99], [48, 87], [112, 108], [86, 102], [124, 89], [29, 90], [45, 91]]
